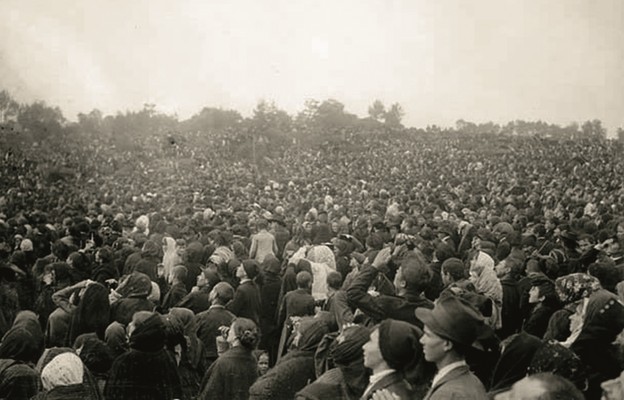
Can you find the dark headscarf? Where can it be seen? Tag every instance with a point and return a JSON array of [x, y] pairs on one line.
[[92, 313], [24, 341], [312, 331], [348, 346], [149, 335], [135, 285], [514, 361], [554, 357]]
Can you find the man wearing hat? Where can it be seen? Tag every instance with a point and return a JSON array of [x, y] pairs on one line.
[[450, 330], [246, 302]]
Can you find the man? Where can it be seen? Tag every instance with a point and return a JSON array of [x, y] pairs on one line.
[[450, 329], [411, 279], [198, 300], [209, 321], [246, 302], [454, 277]]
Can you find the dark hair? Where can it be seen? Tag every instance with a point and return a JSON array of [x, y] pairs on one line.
[[303, 279], [455, 268], [334, 280], [246, 331], [557, 387], [416, 273]]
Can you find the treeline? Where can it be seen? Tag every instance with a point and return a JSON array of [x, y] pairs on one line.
[[318, 120]]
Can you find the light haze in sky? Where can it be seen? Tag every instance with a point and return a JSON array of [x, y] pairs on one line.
[[443, 60]]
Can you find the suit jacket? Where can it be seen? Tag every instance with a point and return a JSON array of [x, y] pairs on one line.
[[208, 323], [246, 302], [459, 384], [393, 382]]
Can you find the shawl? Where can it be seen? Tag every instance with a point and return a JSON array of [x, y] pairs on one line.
[[574, 287], [483, 276], [171, 258], [64, 370], [24, 341]]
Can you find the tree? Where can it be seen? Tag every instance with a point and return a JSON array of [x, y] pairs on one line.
[[213, 119], [9, 108], [394, 115], [594, 129], [377, 110], [620, 134], [40, 120], [270, 121]]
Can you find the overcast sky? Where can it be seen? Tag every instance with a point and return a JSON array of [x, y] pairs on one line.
[[442, 60]]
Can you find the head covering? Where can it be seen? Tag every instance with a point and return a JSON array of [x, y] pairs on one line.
[[453, 318], [514, 360], [64, 370], [574, 287], [26, 245], [185, 316], [49, 354], [348, 345], [484, 277], [271, 264], [115, 337], [312, 331], [322, 255], [251, 268], [96, 356], [559, 360], [24, 341], [399, 344], [149, 335], [92, 313], [136, 284]]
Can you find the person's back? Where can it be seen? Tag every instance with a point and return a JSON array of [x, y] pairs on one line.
[[262, 243], [209, 321], [147, 370]]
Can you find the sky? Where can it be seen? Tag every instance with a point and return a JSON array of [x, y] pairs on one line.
[[485, 60]]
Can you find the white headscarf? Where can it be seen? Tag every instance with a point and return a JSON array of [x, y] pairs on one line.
[[64, 370]]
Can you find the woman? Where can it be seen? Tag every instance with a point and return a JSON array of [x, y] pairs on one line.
[[191, 366], [484, 278], [130, 297], [66, 378], [293, 371], [147, 371], [516, 355], [20, 349], [571, 289], [92, 315], [231, 376]]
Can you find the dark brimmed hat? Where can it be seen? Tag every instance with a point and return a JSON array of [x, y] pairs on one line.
[[453, 318]]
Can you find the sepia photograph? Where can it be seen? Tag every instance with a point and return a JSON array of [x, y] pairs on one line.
[[312, 200]]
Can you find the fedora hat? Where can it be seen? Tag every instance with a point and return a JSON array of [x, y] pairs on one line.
[[453, 318]]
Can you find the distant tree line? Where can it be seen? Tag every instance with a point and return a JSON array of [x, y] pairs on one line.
[[317, 120]]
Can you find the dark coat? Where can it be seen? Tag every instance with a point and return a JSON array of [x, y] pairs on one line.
[[147, 371], [17, 380], [231, 376], [511, 315], [123, 310], [197, 302], [173, 296], [208, 323], [296, 303], [384, 306], [293, 372], [246, 302]]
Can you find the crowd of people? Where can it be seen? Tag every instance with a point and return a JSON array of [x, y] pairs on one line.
[[369, 267]]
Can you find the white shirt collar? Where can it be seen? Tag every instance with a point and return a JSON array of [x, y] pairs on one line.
[[446, 370], [374, 378]]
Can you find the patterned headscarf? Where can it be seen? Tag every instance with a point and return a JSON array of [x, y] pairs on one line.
[[64, 370], [574, 287]]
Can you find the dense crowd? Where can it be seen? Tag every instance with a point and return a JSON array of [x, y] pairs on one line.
[[369, 266]]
